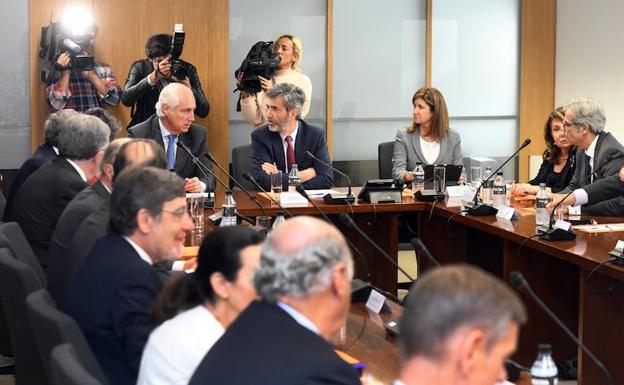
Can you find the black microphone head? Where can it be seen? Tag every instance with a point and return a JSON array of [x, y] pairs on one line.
[[302, 191], [345, 219], [247, 176], [417, 244], [526, 142], [180, 144], [209, 156], [309, 154], [516, 278]]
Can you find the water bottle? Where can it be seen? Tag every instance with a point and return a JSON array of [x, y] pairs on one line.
[[294, 179], [279, 219], [544, 370], [541, 201], [499, 190], [228, 214], [418, 183], [486, 188]]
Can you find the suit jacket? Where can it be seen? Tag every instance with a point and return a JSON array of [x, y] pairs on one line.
[[267, 146], [604, 189], [42, 154], [143, 97], [60, 266], [407, 152], [110, 299], [41, 201], [608, 160], [265, 345], [556, 181], [194, 139]]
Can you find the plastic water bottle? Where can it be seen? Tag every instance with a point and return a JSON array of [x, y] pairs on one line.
[[418, 183], [486, 187], [544, 370], [499, 190], [228, 215], [279, 219], [541, 201], [294, 179]]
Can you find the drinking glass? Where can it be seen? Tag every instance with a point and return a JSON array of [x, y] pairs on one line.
[[276, 183], [439, 179], [476, 175]]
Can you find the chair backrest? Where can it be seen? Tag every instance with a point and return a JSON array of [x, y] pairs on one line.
[[67, 368], [52, 327], [384, 159], [17, 280], [2, 204], [241, 163], [12, 237]]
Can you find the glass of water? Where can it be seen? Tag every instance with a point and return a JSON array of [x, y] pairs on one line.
[[276, 183], [476, 175]]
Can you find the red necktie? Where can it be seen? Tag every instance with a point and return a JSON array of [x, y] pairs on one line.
[[290, 153]]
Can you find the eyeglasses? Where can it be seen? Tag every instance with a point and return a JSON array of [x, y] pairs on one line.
[[568, 124], [178, 213]]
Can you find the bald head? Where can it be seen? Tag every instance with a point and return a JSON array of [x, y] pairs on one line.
[[139, 152], [302, 232]]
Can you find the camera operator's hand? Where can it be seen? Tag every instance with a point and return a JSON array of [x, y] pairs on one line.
[[266, 84], [239, 83], [63, 60]]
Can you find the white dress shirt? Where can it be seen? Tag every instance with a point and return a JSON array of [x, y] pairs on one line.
[[580, 195]]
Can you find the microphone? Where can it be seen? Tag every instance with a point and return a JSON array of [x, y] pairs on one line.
[[518, 280], [479, 209], [250, 178], [420, 247], [72, 46], [348, 221], [333, 199], [254, 199]]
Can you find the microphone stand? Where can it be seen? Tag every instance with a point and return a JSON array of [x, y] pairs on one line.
[[479, 209], [334, 199], [518, 280], [255, 183]]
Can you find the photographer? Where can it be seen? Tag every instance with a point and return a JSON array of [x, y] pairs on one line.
[[290, 51], [81, 90], [147, 77]]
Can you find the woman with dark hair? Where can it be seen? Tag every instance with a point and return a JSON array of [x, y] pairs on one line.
[[558, 162], [147, 77], [199, 306], [428, 140]]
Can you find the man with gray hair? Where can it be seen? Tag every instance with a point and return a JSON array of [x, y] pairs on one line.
[[598, 157], [304, 284], [459, 326], [44, 195], [173, 124], [45, 152], [285, 140]]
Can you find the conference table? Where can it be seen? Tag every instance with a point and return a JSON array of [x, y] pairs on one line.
[[556, 271]]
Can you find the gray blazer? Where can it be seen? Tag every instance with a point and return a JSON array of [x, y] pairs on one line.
[[407, 152]]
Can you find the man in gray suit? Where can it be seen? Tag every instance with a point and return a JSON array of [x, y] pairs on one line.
[[600, 156], [173, 124]]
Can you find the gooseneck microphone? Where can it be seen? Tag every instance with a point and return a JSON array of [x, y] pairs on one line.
[[480, 209], [250, 178], [420, 247], [518, 280], [348, 221], [334, 198], [254, 199]]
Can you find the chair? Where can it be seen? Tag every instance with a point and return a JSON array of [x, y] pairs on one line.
[[17, 280], [52, 327], [67, 367], [2, 204], [12, 237], [241, 163], [384, 159]]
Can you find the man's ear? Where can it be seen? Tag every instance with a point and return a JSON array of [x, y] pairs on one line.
[[144, 221], [471, 350], [339, 277], [220, 285], [109, 170]]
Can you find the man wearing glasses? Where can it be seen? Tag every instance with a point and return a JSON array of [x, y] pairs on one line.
[[599, 156], [111, 294]]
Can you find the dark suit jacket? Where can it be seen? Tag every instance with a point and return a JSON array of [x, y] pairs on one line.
[[42, 199], [195, 139], [42, 154], [267, 146], [265, 345], [110, 299], [60, 266], [608, 160], [604, 189]]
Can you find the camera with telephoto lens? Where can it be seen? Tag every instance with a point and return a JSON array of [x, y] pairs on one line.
[[179, 68]]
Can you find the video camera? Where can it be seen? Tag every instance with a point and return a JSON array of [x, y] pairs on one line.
[[56, 39], [260, 61], [179, 68]]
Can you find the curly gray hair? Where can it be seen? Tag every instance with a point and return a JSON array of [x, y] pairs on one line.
[[588, 112], [293, 96]]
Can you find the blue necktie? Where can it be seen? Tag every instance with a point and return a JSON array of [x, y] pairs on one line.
[[171, 153]]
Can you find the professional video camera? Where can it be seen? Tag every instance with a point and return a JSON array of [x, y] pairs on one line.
[[179, 68], [261, 60], [56, 39]]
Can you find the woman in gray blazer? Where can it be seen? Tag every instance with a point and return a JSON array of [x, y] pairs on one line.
[[429, 139]]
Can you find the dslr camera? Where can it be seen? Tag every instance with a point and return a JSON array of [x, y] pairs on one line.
[[179, 68]]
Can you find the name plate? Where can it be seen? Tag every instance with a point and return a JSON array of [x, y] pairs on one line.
[[506, 212], [563, 225], [455, 191], [288, 198], [574, 210], [377, 302], [468, 193], [619, 246]]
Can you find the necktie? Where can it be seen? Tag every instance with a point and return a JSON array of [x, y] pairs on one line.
[[171, 153], [588, 170], [290, 153]]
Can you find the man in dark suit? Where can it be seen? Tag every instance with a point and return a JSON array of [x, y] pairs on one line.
[[44, 195], [599, 155], [111, 295], [304, 282], [44, 153], [285, 140], [173, 124]]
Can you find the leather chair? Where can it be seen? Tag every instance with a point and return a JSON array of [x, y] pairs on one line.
[[384, 159], [12, 237], [67, 367], [241, 163], [52, 327], [17, 281]]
